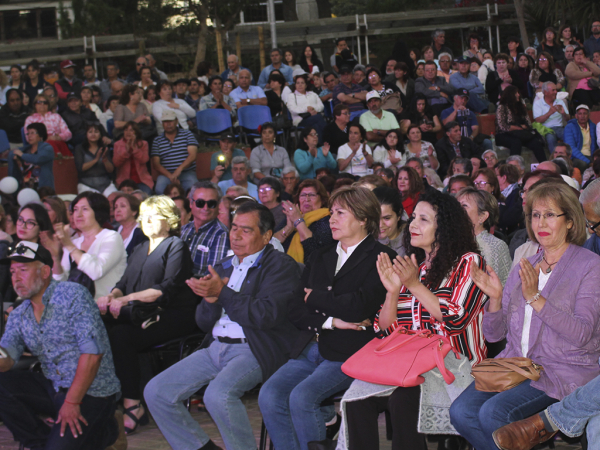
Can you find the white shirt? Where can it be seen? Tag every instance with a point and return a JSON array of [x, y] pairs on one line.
[[298, 104], [540, 107], [358, 165], [380, 154], [104, 262], [184, 113], [543, 279]]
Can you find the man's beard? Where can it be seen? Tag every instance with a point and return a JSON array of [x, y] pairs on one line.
[[26, 293]]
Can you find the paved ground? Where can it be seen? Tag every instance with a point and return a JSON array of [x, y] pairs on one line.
[[150, 438]]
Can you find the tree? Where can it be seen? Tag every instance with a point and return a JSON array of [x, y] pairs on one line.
[[521, 21]]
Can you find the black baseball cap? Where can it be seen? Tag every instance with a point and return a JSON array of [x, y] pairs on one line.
[[345, 69], [71, 95], [182, 80], [227, 135], [27, 252]]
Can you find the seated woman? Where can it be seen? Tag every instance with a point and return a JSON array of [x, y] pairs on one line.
[[306, 107], [86, 101], [94, 164], [13, 115], [130, 157], [310, 62], [410, 185], [419, 113], [131, 109], [215, 99], [307, 226], [146, 80], [391, 226], [278, 94], [482, 208], [182, 110], [268, 159], [578, 72], [416, 146], [150, 96], [524, 67], [513, 126], [98, 253], [337, 298], [228, 86], [33, 165], [356, 156], [126, 211], [486, 180], [309, 157], [269, 194], [497, 81], [430, 290], [57, 210], [156, 273], [58, 131], [548, 311], [545, 71], [404, 82], [458, 182], [32, 223], [391, 151]]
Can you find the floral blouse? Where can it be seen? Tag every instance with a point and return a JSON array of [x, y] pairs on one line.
[[505, 118], [536, 74], [424, 155]]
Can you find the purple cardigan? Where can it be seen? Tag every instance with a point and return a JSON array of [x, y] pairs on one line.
[[565, 335]]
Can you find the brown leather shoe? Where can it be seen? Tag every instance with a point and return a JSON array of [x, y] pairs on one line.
[[523, 434]]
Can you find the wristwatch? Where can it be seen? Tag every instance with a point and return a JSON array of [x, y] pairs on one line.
[[248, 100]]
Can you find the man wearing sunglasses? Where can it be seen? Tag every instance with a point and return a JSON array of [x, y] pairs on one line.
[[206, 236], [240, 169], [60, 324], [590, 200]]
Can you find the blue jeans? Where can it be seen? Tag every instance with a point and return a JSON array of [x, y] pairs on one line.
[[187, 179], [476, 415], [579, 410], [290, 400], [553, 138], [477, 104], [144, 188], [229, 370]]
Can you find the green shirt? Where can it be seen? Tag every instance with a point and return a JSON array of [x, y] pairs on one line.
[[370, 122]]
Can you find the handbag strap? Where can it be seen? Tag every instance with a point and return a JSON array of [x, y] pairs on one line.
[[439, 361], [517, 369], [380, 350]]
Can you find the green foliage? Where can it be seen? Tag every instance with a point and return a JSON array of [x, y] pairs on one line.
[[349, 8], [544, 13]]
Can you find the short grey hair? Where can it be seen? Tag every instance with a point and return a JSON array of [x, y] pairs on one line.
[[240, 160], [445, 54], [490, 151], [237, 59], [140, 193], [290, 169], [531, 48], [519, 160], [485, 202], [437, 32], [591, 194], [205, 185], [567, 46], [546, 86]]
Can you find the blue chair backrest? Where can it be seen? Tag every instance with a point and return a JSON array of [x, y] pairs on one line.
[[110, 126], [4, 144], [357, 114], [251, 117], [213, 121], [23, 136], [328, 108]]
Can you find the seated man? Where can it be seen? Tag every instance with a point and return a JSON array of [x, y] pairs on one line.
[[78, 118], [240, 171], [436, 89], [580, 134], [246, 94], [180, 88], [193, 96], [340, 46], [174, 155], [467, 119], [376, 121], [453, 145], [245, 306], [552, 113], [69, 82], [205, 235], [60, 324], [346, 92], [276, 63], [112, 74], [329, 82], [511, 209], [134, 75], [89, 76], [220, 162], [233, 69], [152, 64], [290, 179], [464, 79]]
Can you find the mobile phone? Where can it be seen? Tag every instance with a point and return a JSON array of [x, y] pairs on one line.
[[221, 158], [534, 166], [3, 354]]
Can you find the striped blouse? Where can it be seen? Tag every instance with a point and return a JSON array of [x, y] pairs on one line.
[[461, 303]]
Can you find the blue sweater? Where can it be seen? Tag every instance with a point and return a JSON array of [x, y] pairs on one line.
[[43, 158], [574, 138], [307, 165]]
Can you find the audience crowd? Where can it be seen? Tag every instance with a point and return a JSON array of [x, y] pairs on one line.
[[370, 205]]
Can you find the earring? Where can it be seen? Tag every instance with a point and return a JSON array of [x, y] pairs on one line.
[[274, 140]]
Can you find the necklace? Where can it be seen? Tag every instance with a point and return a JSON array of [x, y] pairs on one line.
[[549, 269]]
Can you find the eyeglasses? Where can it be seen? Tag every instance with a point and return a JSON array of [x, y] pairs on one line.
[[549, 216], [265, 189], [542, 59], [28, 224], [200, 203], [151, 217], [315, 134], [481, 183], [41, 102], [289, 178], [308, 196], [591, 226], [489, 158]]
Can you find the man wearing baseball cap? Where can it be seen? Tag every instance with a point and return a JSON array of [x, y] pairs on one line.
[[346, 92], [376, 121], [60, 324], [69, 82], [464, 79], [580, 134], [220, 162]]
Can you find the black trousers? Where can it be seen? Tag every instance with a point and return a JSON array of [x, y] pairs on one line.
[[403, 405], [589, 98], [24, 396], [516, 143], [127, 340]]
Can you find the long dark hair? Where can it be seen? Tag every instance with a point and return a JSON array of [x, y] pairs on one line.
[[509, 99], [399, 145], [314, 59], [453, 237], [413, 114]]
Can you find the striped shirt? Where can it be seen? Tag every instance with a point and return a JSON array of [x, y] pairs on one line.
[[461, 303], [173, 154], [208, 245]]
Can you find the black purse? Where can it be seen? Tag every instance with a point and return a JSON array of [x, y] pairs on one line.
[[140, 313], [76, 275]]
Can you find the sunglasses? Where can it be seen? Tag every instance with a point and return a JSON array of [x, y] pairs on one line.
[[212, 204]]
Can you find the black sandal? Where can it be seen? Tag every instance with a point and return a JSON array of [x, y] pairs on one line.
[[144, 420]]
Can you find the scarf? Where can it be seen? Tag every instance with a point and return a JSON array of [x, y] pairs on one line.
[[296, 250]]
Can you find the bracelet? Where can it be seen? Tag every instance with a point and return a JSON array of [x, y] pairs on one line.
[[298, 222], [534, 298], [72, 403], [72, 250]]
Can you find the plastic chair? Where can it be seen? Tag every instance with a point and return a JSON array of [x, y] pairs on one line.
[[253, 116], [357, 114], [213, 122], [4, 144], [110, 126]]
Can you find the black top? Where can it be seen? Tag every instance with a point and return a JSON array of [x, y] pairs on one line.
[[274, 102], [32, 90], [493, 84], [78, 122], [96, 177], [165, 269], [138, 238], [13, 122], [446, 152], [321, 237], [335, 137]]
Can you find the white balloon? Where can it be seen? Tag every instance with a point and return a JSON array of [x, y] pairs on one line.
[[28, 195], [9, 185]]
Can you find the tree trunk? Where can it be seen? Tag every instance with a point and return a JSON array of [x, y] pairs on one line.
[[521, 20], [202, 16], [289, 11]]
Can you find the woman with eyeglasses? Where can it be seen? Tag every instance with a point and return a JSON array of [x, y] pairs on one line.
[[548, 311], [33, 164], [486, 180], [56, 127], [33, 219], [269, 194], [546, 71], [216, 99], [156, 273], [307, 225], [310, 157]]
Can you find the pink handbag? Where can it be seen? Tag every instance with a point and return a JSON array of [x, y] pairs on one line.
[[401, 358]]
